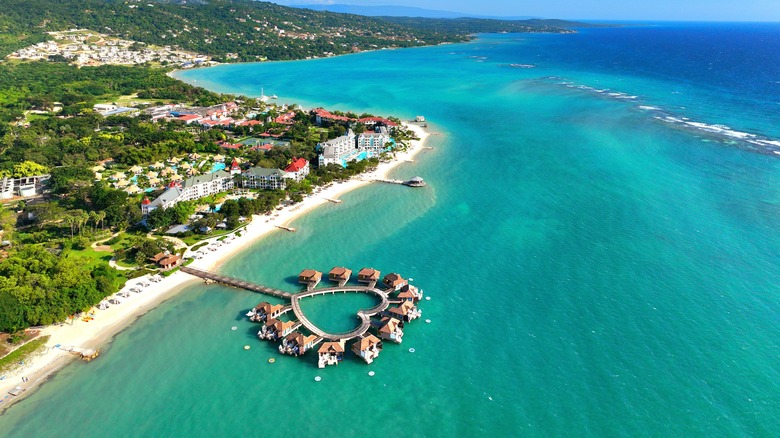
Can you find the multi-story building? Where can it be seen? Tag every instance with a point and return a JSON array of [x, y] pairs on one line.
[[351, 147], [262, 178], [190, 189], [298, 169], [338, 150], [373, 142]]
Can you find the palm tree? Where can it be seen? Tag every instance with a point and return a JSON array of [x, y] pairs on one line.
[[101, 216], [71, 221], [81, 218], [93, 218]]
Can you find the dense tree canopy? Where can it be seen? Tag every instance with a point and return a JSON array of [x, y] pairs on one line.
[[38, 287]]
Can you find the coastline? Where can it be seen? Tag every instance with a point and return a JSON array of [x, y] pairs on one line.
[[110, 322]]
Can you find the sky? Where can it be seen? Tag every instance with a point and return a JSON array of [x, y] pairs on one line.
[[642, 10]]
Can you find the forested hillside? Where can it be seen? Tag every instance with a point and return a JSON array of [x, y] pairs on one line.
[[236, 29]]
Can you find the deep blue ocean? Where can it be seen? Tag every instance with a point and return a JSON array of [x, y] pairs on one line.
[[598, 236]]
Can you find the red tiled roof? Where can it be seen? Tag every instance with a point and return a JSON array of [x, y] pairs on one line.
[[187, 117], [296, 165]]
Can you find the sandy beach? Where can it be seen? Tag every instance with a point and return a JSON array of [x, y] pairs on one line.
[[107, 323]]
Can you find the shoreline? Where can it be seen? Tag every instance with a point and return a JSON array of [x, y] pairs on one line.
[[112, 321]]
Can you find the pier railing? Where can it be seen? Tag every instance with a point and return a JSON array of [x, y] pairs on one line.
[[235, 282]]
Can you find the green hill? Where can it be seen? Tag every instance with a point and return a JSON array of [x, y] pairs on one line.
[[250, 30], [242, 30]]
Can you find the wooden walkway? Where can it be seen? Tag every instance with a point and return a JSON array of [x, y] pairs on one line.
[[364, 314], [235, 282]]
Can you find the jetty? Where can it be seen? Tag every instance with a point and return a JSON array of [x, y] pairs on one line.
[[387, 322], [414, 182], [235, 282]]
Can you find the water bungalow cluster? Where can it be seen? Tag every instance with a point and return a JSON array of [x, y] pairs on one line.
[[297, 335], [384, 323]]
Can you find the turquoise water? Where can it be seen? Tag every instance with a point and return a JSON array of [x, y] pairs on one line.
[[594, 268]]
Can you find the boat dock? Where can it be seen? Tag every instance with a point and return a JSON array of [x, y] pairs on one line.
[[414, 182]]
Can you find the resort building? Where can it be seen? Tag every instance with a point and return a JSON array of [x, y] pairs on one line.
[[391, 329], [274, 329], [297, 169], [331, 353], [394, 281], [406, 312], [310, 278], [296, 343], [339, 275], [351, 147], [24, 187], [339, 150], [266, 310], [367, 348], [190, 189], [374, 142], [369, 276], [165, 260], [262, 178], [410, 293]]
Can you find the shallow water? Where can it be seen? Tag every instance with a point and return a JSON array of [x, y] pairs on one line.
[[593, 269]]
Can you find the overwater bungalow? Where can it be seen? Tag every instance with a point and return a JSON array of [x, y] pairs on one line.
[[410, 293], [296, 343], [367, 348], [331, 353], [310, 278], [406, 311], [391, 329], [273, 329], [394, 281], [368, 275], [265, 310], [340, 275]]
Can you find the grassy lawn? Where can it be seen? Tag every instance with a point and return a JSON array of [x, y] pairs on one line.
[[191, 240], [22, 353], [93, 258]]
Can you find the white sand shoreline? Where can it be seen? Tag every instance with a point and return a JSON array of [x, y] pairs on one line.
[[109, 322]]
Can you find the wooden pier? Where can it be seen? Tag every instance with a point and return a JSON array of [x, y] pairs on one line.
[[235, 282], [364, 314], [414, 182], [300, 343]]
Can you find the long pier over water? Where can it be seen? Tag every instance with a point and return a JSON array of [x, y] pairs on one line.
[[364, 314], [235, 282]]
